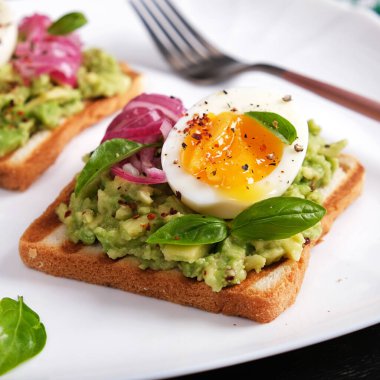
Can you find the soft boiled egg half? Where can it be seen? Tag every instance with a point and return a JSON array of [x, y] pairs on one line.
[[8, 33], [221, 161]]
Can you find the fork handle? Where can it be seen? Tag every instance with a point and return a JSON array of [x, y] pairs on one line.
[[358, 103]]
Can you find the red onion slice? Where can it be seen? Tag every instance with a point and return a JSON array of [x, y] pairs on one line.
[[155, 178], [170, 107], [41, 53], [146, 119]]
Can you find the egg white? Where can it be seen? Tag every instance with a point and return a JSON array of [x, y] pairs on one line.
[[8, 33], [205, 198]]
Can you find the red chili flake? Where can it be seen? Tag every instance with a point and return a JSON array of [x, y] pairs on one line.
[[132, 205], [306, 242], [184, 145], [67, 213], [151, 216], [263, 147], [196, 136], [164, 214], [173, 211], [20, 113]]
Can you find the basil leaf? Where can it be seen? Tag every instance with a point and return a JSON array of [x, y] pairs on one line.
[[67, 24], [190, 229], [276, 218], [22, 335], [103, 157], [277, 124]]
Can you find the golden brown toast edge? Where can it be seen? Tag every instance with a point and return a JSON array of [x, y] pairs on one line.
[[261, 297], [21, 175]]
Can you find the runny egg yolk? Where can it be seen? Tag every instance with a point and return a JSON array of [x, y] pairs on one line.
[[230, 152]]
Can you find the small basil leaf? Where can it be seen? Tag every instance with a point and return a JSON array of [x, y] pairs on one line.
[[190, 229], [277, 124], [67, 23], [22, 335], [103, 157], [276, 218]]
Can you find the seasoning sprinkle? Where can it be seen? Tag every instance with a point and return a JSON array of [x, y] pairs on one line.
[[287, 98], [225, 92], [270, 156], [275, 124], [245, 167], [298, 148], [178, 194], [184, 145]]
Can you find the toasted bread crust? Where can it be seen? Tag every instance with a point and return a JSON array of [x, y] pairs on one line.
[[21, 174], [261, 297]]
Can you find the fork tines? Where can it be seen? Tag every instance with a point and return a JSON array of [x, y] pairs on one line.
[[177, 40]]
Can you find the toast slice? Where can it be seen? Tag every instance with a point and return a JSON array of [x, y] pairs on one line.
[[19, 169], [261, 297]]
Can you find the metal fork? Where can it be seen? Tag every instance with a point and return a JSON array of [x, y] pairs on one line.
[[194, 58]]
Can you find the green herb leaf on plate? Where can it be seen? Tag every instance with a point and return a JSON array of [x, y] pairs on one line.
[[67, 23], [276, 218], [104, 156], [22, 335], [277, 124], [191, 229]]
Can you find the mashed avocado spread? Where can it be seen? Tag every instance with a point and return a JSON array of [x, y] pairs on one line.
[[121, 216], [43, 104]]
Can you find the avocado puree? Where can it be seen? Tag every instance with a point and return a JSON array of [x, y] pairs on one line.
[[42, 104], [121, 215]]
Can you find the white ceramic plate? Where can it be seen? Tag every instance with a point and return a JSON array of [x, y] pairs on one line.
[[99, 333]]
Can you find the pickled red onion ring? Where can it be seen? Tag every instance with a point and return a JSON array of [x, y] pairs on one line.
[[147, 119], [38, 52]]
